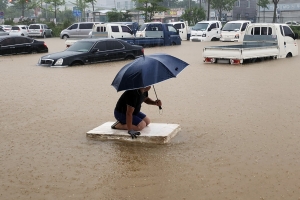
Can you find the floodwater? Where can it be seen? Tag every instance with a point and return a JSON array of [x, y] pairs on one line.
[[239, 137]]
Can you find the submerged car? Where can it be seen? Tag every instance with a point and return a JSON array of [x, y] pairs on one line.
[[92, 50], [20, 45]]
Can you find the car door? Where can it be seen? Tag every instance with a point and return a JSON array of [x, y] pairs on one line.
[[244, 26], [86, 29], [101, 55], [47, 30], [213, 31], [115, 31], [115, 50], [20, 45], [289, 42], [181, 28], [73, 30], [8, 46], [126, 32]]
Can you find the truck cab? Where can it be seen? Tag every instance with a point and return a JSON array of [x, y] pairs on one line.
[[206, 31], [234, 31], [183, 28], [282, 32]]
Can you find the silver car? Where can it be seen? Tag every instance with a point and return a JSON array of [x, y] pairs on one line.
[[78, 30], [39, 30]]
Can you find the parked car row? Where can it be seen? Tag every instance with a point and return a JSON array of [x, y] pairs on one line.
[[33, 30]]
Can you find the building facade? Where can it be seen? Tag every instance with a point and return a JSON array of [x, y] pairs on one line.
[[287, 10]]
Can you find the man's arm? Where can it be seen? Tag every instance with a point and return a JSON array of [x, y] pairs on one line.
[[151, 102], [129, 112]]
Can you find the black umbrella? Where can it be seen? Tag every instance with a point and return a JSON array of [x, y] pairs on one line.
[[148, 70]]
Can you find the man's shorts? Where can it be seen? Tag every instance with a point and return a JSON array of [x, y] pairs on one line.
[[136, 119]]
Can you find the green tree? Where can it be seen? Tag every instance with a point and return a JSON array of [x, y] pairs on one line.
[[193, 15], [187, 4], [275, 10], [222, 5], [264, 5], [170, 3], [3, 5], [92, 2], [149, 8], [22, 5], [114, 16], [54, 6]]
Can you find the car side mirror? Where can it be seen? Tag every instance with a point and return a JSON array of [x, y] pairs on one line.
[[95, 50], [209, 29]]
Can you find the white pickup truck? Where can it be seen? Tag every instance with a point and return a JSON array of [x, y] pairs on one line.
[[108, 30], [261, 41]]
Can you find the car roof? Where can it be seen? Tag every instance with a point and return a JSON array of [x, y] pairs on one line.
[[100, 39], [213, 21], [238, 21]]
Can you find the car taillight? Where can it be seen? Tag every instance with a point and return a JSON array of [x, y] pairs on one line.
[[45, 44], [41, 30], [142, 50]]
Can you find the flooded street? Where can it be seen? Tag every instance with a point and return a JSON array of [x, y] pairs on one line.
[[239, 137]]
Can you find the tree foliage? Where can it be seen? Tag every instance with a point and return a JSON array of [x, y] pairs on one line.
[[263, 3], [54, 6], [194, 15], [115, 16], [170, 3], [222, 5], [3, 5], [149, 8]]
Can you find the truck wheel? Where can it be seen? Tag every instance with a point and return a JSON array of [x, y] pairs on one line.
[[289, 55], [173, 43]]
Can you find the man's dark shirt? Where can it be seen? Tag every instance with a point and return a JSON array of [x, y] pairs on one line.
[[133, 98]]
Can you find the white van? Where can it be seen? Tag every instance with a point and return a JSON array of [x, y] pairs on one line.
[[206, 31], [141, 31], [183, 28], [234, 31], [78, 30], [111, 30]]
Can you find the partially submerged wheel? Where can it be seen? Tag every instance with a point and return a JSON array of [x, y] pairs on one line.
[[76, 63], [289, 55]]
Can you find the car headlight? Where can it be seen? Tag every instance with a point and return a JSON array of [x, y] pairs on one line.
[[59, 61]]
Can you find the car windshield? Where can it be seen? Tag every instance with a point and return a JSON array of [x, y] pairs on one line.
[[81, 46], [142, 28], [200, 26], [231, 26]]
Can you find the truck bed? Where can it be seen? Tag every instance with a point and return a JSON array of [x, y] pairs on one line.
[[251, 48]]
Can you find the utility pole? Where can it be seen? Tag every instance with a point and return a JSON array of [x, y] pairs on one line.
[[208, 10]]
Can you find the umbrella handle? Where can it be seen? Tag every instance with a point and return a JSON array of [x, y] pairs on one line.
[[156, 97]]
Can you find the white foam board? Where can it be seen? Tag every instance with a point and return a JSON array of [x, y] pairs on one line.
[[159, 133]]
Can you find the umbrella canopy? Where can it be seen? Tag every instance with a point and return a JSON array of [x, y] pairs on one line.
[[148, 70]]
